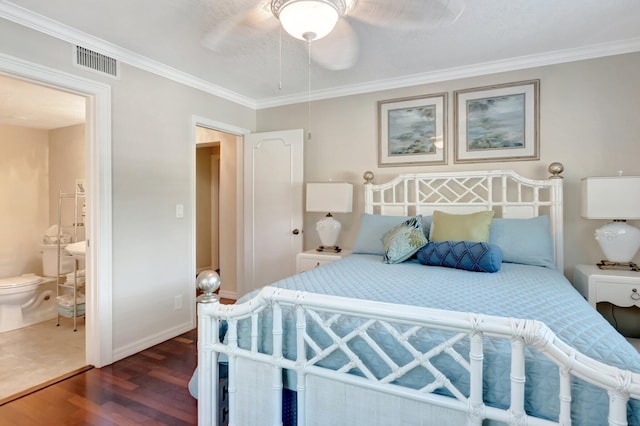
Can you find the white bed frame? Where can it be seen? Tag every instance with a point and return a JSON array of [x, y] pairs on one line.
[[324, 396]]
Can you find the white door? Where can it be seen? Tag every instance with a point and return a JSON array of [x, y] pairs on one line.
[[273, 174]]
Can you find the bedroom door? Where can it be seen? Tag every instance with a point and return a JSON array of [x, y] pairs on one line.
[[273, 174]]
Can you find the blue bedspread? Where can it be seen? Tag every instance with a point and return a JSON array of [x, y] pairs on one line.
[[518, 291]]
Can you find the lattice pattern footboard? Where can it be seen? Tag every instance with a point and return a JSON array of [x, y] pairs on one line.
[[334, 345]]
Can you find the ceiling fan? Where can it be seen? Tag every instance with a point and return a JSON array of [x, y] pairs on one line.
[[328, 23]]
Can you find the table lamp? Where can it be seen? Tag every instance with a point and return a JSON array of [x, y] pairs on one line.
[[329, 197], [616, 198]]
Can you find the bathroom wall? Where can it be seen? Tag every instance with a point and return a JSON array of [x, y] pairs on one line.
[[66, 164], [24, 201]]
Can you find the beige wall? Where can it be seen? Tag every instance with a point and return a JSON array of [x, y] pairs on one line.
[[589, 121], [66, 164], [203, 208], [152, 149], [24, 202]]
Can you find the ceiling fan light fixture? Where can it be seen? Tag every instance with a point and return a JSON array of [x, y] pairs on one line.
[[308, 19]]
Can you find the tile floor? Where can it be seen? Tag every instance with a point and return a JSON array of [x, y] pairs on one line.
[[32, 355]]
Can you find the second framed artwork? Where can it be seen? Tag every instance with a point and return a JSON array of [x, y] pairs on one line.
[[497, 123], [411, 131]]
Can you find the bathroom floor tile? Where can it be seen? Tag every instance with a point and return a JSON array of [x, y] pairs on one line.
[[39, 353]]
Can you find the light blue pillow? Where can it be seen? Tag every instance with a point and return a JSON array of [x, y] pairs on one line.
[[403, 240], [526, 241], [374, 226], [468, 255]]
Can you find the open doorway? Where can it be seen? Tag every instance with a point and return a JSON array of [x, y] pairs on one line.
[[208, 206], [42, 150], [218, 203]]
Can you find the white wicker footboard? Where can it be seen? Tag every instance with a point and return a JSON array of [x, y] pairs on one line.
[[334, 396]]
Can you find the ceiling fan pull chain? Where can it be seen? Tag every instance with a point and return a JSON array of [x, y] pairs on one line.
[[309, 90], [280, 59]]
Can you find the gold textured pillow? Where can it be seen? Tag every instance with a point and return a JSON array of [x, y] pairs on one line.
[[461, 227]]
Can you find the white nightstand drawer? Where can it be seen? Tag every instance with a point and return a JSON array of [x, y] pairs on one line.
[[306, 264], [618, 293], [310, 259], [612, 286]]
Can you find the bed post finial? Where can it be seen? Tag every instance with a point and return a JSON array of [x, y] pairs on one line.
[[208, 282], [368, 177], [556, 169]]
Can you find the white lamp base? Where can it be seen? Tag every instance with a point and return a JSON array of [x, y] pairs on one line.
[[328, 230], [619, 241]]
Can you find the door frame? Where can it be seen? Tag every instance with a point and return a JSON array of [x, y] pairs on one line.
[[99, 294], [237, 131]]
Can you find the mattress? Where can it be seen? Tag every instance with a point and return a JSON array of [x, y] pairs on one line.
[[519, 291]]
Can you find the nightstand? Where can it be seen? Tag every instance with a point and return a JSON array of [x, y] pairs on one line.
[[312, 259], [621, 288]]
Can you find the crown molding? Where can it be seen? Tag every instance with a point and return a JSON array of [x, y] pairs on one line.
[[37, 22], [512, 64], [58, 30]]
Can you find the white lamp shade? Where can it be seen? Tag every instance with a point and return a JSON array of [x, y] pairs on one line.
[[330, 197], [616, 197], [308, 19]]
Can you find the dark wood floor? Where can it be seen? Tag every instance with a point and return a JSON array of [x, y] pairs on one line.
[[149, 388]]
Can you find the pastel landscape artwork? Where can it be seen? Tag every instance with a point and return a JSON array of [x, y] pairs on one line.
[[496, 122], [412, 130]]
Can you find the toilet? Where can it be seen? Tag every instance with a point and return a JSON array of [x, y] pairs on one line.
[[29, 299], [25, 300]]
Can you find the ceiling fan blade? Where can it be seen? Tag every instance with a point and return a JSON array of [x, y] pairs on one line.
[[233, 28], [338, 50], [408, 14]]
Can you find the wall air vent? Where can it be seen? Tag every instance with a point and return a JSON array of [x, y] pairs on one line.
[[95, 61]]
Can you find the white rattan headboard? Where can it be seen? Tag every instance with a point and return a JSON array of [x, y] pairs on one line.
[[504, 191]]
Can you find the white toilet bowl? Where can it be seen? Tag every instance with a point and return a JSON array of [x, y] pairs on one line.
[[25, 300]]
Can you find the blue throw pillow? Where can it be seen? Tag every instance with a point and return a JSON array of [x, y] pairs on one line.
[[468, 255], [526, 241], [374, 226], [403, 240]]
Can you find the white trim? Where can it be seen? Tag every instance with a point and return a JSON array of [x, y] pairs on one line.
[[69, 34], [503, 65], [149, 341], [56, 29], [99, 329]]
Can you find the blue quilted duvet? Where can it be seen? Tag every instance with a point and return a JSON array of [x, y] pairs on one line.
[[518, 291]]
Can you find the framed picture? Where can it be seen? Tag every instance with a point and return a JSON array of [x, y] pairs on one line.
[[411, 131], [497, 123]]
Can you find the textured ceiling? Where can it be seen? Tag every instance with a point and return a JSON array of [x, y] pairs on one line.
[[26, 104], [490, 35]]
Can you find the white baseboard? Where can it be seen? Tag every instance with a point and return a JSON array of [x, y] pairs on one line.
[[228, 294], [149, 341]]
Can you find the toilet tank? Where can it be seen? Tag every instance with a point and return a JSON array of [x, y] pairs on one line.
[[50, 260]]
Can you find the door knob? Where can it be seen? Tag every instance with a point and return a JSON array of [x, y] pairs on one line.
[[296, 231]]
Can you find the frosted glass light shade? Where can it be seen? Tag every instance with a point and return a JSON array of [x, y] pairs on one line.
[[308, 19]]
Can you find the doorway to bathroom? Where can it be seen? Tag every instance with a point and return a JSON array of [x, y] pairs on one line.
[[42, 155]]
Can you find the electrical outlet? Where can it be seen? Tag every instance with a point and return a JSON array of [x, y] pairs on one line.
[[177, 302]]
